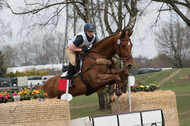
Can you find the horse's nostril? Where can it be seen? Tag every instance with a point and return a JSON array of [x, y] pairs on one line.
[[129, 66]]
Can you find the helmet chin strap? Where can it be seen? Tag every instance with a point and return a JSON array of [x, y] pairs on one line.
[[88, 36]]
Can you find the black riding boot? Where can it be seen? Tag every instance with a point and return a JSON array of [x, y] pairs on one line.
[[71, 70]]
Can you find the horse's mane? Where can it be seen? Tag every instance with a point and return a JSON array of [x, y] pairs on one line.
[[99, 42]]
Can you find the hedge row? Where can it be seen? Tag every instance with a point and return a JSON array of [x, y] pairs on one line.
[[32, 72]]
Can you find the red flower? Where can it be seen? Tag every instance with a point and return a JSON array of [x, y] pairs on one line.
[[14, 94], [136, 86], [7, 96], [1, 96]]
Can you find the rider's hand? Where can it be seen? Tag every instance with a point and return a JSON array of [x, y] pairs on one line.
[[85, 48]]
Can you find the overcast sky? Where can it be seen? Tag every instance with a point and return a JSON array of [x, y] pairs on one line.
[[143, 38]]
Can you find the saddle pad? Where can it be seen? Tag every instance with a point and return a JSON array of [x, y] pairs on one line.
[[62, 84], [103, 61]]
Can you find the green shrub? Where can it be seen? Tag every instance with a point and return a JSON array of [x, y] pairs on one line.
[[32, 72]]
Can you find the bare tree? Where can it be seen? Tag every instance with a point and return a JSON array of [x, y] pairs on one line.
[[173, 40], [99, 15], [48, 49], [0, 4], [161, 61], [60, 41], [5, 32], [37, 51], [23, 53], [117, 11], [9, 56], [66, 30], [2, 65], [178, 6], [114, 14]]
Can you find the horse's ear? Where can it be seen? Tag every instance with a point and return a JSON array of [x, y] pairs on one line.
[[130, 33]]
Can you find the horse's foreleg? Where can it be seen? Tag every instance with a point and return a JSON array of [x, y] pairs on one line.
[[123, 74]]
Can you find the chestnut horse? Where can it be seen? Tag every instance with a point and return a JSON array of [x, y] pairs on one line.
[[98, 75]]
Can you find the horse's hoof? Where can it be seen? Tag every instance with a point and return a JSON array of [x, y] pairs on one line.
[[118, 93]]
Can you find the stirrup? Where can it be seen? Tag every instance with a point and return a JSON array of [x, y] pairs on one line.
[[64, 74]]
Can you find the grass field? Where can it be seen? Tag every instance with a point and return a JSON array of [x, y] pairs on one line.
[[175, 80]]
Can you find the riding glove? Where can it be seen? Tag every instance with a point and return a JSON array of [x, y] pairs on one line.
[[85, 48]]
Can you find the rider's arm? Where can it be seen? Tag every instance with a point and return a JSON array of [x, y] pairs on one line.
[[75, 48], [75, 45]]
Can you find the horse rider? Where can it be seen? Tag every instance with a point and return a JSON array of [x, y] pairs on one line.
[[79, 43]]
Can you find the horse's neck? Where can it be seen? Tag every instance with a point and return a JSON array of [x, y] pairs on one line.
[[106, 47]]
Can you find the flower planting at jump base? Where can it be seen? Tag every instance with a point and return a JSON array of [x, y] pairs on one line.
[[6, 97], [147, 88], [26, 94]]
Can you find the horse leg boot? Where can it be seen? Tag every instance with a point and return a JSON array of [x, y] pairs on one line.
[[71, 69]]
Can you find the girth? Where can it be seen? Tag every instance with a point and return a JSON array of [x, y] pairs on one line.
[[90, 89]]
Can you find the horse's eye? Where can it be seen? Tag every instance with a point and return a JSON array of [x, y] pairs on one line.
[[124, 45]]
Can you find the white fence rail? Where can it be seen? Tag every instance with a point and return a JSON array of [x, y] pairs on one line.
[[141, 118]]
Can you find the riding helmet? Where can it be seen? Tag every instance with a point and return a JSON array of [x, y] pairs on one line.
[[89, 27]]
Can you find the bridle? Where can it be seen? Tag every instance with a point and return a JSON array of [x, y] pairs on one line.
[[119, 48]]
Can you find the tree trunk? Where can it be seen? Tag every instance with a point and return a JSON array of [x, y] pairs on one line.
[[100, 19], [75, 21], [66, 29], [104, 101]]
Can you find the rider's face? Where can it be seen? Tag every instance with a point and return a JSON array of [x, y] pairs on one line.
[[90, 33]]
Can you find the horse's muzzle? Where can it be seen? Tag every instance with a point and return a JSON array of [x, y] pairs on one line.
[[128, 62], [127, 65]]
